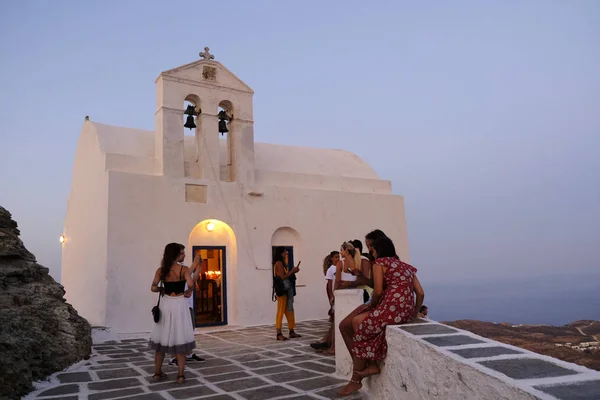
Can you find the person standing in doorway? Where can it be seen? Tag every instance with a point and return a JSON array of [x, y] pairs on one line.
[[285, 303], [195, 273]]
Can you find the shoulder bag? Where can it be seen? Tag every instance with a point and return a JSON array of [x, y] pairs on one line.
[[156, 308]]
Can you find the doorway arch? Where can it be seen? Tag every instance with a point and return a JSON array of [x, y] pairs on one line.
[[215, 294]]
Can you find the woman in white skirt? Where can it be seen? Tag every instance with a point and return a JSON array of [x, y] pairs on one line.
[[173, 333]]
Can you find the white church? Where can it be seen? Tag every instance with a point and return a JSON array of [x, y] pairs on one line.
[[219, 193]]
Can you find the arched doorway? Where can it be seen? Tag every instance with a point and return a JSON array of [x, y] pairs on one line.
[[215, 241], [290, 239]]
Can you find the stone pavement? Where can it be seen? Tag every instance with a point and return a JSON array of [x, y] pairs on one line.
[[241, 364]]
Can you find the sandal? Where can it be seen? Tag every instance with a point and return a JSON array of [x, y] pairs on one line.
[[159, 377], [345, 391], [281, 337], [294, 335], [181, 379]]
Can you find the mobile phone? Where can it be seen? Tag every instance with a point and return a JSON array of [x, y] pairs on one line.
[[299, 262]]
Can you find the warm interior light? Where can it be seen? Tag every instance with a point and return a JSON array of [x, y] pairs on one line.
[[213, 274], [62, 238], [210, 227]]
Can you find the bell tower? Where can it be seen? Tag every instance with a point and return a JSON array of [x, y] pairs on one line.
[[219, 111]]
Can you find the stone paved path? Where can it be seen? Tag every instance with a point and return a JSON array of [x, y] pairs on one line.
[[241, 364]]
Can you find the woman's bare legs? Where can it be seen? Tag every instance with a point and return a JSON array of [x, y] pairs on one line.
[[347, 331], [359, 364], [158, 361], [180, 367], [346, 328]]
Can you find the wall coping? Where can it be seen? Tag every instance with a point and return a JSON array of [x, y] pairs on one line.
[[544, 377]]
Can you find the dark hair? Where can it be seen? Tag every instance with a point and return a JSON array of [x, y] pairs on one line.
[[423, 308], [374, 235], [182, 246], [357, 245], [278, 254], [328, 260], [170, 256], [384, 247]]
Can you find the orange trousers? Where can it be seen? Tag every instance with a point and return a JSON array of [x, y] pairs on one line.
[[281, 311]]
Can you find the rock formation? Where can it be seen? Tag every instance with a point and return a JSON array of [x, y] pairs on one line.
[[39, 332]]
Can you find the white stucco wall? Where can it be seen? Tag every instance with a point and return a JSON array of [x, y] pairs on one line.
[[84, 252], [129, 200], [146, 212]]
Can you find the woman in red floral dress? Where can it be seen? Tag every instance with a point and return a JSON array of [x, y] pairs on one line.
[[392, 303]]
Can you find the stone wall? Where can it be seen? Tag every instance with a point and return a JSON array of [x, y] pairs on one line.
[[428, 360], [39, 332]]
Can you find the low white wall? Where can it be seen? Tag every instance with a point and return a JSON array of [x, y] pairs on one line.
[[346, 300], [428, 360], [416, 370]]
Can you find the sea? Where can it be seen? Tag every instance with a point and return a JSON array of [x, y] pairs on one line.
[[547, 300]]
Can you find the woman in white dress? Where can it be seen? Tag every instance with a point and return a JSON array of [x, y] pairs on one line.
[[173, 333]]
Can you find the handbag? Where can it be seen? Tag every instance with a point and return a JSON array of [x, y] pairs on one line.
[[156, 309], [278, 286]]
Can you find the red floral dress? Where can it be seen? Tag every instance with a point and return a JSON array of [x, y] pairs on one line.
[[397, 306]]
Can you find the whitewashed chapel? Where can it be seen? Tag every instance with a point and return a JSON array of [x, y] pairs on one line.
[[219, 193]]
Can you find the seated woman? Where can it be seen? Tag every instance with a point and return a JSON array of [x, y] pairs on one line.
[[392, 303]]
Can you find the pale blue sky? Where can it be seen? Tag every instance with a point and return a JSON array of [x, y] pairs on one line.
[[484, 114]]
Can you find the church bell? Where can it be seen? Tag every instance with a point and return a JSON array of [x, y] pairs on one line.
[[223, 126], [223, 121], [189, 123], [190, 112]]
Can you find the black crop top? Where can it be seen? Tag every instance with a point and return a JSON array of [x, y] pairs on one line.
[[177, 287]]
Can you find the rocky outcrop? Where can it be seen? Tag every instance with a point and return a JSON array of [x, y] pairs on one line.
[[40, 333]]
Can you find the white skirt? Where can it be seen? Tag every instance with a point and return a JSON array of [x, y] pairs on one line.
[[173, 333]]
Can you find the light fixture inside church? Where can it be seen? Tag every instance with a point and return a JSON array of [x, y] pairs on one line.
[[62, 238], [210, 227]]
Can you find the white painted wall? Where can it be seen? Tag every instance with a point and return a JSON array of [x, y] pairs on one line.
[[146, 212], [125, 217], [84, 252]]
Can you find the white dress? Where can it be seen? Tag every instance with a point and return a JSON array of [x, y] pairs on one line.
[[173, 333]]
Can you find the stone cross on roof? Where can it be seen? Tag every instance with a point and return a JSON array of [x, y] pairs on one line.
[[206, 54]]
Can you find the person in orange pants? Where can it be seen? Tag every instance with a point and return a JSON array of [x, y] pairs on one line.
[[285, 303]]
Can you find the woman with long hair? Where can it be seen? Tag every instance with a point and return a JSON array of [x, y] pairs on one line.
[[173, 333], [285, 303], [350, 261], [393, 303]]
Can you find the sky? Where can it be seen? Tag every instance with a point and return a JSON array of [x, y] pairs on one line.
[[484, 115]]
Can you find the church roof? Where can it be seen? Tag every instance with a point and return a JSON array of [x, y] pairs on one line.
[[267, 156]]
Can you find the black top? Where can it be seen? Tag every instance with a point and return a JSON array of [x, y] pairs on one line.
[[177, 287]]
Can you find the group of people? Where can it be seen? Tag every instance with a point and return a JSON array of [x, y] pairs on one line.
[[174, 332], [392, 295], [391, 290]]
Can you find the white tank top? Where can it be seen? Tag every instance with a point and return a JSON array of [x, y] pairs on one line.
[[347, 277]]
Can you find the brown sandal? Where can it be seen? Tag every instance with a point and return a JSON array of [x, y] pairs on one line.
[[159, 377], [281, 337], [294, 335], [181, 379]]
